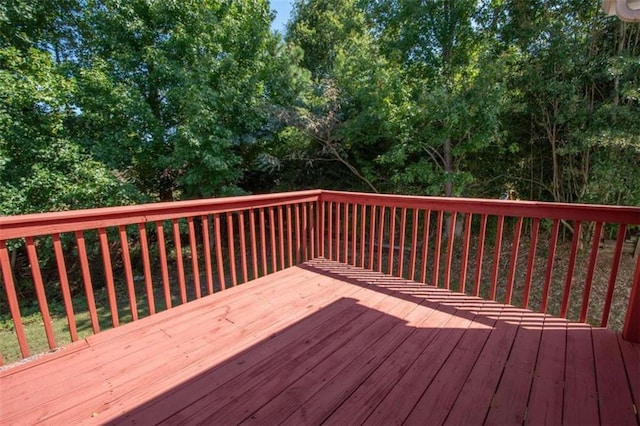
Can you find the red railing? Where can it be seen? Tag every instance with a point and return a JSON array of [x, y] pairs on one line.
[[122, 263], [408, 237], [138, 252]]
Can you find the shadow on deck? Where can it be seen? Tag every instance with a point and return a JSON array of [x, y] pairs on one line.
[[329, 343]]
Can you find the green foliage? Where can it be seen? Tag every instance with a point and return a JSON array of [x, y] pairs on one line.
[[40, 167], [183, 82], [104, 102], [321, 28]]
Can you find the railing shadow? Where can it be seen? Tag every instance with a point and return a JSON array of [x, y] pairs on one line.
[[310, 373], [349, 364], [436, 298]]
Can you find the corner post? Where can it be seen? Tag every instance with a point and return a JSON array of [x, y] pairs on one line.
[[631, 330]]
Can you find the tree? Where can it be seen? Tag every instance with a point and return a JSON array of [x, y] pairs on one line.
[[41, 167], [573, 93], [171, 89], [321, 28], [454, 91], [314, 125]]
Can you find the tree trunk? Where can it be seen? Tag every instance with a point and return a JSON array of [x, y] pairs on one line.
[[448, 168], [448, 189], [621, 43], [14, 256]]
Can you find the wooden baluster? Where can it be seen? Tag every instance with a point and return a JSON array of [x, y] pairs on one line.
[[337, 236], [615, 264], [392, 239], [243, 247], [219, 258], [290, 235], [263, 243], [354, 237], [593, 257], [414, 244], [146, 266], [194, 258], [403, 230], [178, 244], [312, 230], [206, 244], [496, 258], [451, 239], [345, 233], [535, 226], [40, 293], [64, 285], [572, 263], [372, 235], [321, 225], [272, 234], [281, 236], [480, 255], [550, 260], [329, 234], [254, 247], [108, 272], [425, 246], [128, 273], [381, 222], [514, 260], [363, 217], [206, 241], [436, 260], [305, 234], [12, 299], [232, 250], [465, 252], [163, 264], [296, 210]]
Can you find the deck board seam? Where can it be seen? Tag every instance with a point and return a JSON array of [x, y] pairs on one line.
[[379, 318], [355, 388], [451, 317], [629, 384], [244, 371], [493, 330], [595, 375], [438, 371], [100, 368], [504, 368], [208, 418], [373, 343], [202, 346]]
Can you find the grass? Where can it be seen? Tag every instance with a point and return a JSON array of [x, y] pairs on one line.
[[34, 324]]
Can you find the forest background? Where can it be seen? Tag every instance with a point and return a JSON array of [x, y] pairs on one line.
[[108, 102]]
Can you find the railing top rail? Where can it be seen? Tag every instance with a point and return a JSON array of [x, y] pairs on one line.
[[77, 220], [532, 209]]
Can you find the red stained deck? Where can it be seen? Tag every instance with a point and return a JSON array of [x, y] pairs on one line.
[[327, 343]]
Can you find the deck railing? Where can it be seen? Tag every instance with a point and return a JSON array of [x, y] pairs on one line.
[[118, 264], [103, 267], [408, 237]]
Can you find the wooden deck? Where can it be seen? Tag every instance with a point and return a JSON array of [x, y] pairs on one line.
[[327, 343]]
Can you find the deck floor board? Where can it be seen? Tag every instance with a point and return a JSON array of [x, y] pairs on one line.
[[328, 343], [474, 399]]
